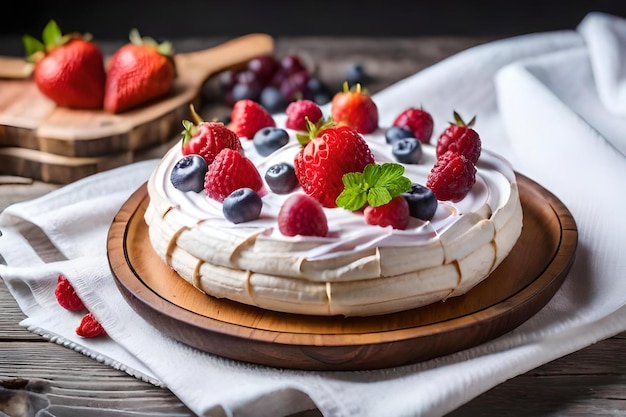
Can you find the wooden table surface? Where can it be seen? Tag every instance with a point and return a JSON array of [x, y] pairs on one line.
[[39, 374]]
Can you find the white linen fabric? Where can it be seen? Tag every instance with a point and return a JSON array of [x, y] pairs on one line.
[[553, 103]]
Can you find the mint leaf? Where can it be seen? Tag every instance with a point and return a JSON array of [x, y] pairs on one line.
[[388, 174], [376, 185], [354, 194], [351, 199], [378, 196]]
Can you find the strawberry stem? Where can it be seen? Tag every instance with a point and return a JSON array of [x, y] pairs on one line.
[[197, 119]]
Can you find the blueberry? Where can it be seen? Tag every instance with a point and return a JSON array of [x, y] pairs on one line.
[[242, 205], [269, 139], [281, 178], [242, 91], [422, 202], [318, 91], [272, 100], [188, 173], [356, 75], [407, 151], [395, 133]]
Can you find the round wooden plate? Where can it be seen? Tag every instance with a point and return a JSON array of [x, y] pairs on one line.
[[524, 282]]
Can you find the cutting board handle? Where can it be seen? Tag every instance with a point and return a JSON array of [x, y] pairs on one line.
[[200, 65], [13, 67]]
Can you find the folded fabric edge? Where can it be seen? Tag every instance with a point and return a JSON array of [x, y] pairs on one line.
[[99, 357]]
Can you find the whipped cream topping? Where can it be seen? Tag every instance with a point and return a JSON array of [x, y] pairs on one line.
[[347, 230]]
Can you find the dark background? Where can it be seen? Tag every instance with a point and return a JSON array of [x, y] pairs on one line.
[[169, 20]]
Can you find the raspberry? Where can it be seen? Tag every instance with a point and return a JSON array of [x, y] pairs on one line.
[[248, 117], [395, 214], [89, 327], [303, 215], [66, 296], [230, 171], [461, 138], [452, 177], [298, 111], [418, 121]]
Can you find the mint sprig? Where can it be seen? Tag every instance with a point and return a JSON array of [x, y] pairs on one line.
[[376, 185]]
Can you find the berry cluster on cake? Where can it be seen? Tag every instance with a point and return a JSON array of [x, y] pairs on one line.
[[332, 215]]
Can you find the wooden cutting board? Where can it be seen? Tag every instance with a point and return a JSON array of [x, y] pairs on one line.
[[35, 133]]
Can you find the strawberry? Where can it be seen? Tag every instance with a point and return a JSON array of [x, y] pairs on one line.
[[395, 214], [66, 296], [418, 121], [460, 137], [138, 72], [303, 215], [321, 163], [452, 177], [229, 171], [248, 117], [354, 107], [297, 112], [89, 327], [68, 69], [207, 139]]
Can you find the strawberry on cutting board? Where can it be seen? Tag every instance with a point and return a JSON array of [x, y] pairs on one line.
[[138, 72], [68, 69]]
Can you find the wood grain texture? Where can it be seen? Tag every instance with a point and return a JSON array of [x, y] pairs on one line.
[[583, 383]]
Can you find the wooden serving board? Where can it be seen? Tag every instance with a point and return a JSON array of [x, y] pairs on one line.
[[34, 128], [524, 282]]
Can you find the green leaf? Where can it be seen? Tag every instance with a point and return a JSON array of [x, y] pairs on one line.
[[399, 186], [351, 199], [32, 45], [377, 196], [388, 174], [354, 194], [51, 34], [372, 173], [376, 185], [353, 180]]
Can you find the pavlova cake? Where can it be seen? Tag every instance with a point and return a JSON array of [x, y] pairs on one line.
[[332, 215]]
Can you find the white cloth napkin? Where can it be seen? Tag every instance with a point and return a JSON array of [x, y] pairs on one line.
[[552, 103]]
